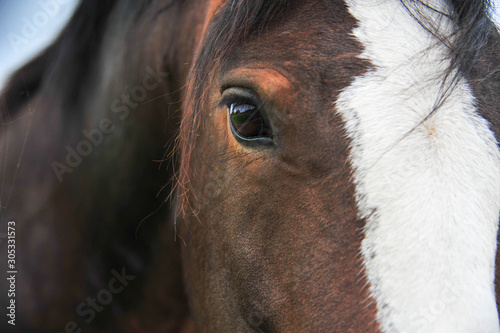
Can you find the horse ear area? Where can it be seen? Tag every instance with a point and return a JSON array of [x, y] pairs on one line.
[[24, 83], [75, 45]]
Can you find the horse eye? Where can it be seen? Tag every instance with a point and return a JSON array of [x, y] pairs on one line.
[[247, 123]]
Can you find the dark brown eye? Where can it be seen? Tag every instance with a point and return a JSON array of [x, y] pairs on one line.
[[247, 122]]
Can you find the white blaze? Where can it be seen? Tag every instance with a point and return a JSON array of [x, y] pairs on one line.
[[430, 196]]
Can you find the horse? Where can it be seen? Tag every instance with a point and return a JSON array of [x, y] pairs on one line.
[[255, 166]]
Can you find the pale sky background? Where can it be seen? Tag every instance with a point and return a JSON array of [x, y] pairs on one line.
[[496, 12], [19, 43], [26, 28]]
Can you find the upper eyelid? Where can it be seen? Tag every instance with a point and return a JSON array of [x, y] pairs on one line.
[[249, 91], [235, 86], [251, 97], [227, 100]]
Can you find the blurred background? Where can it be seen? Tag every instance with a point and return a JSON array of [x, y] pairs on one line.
[[27, 26]]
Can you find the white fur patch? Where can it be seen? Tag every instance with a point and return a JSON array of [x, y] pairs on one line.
[[430, 192]]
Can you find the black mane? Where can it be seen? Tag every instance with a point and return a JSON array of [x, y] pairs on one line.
[[473, 31]]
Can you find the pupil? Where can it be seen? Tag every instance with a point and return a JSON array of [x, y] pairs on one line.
[[240, 119]]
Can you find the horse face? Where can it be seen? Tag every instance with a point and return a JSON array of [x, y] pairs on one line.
[[273, 238]]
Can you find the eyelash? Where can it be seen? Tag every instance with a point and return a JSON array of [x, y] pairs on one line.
[[226, 101]]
